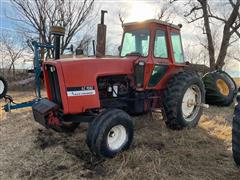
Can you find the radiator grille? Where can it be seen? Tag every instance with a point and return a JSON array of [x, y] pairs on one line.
[[54, 85]]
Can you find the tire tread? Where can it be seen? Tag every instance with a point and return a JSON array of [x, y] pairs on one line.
[[236, 134]]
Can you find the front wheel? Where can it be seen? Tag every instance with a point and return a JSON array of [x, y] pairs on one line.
[[183, 100], [110, 133], [3, 87]]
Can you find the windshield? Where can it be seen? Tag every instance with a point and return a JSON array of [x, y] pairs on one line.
[[136, 43]]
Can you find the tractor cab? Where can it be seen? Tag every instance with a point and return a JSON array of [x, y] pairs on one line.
[[152, 38], [159, 48]]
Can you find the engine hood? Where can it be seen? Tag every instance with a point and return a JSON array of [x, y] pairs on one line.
[[84, 73], [87, 70], [92, 59]]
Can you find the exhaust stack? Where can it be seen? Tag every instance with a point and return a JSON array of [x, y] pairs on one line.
[[101, 36], [57, 32]]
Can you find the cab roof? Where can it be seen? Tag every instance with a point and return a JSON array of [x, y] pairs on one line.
[[152, 21]]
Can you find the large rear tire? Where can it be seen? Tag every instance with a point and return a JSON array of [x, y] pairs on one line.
[[182, 100], [3, 87], [220, 88], [236, 133], [110, 133]]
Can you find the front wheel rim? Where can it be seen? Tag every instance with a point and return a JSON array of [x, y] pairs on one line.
[[191, 102], [1, 87], [116, 137]]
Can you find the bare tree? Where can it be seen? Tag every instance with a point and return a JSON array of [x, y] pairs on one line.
[[122, 16], [234, 54], [38, 16], [84, 43], [165, 12], [13, 48], [202, 10], [3, 55]]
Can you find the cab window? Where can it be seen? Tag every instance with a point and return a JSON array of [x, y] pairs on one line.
[[160, 45], [177, 47]]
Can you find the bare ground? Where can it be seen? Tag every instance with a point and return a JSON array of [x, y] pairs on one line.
[[28, 151]]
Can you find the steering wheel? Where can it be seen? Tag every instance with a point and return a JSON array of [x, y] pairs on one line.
[[134, 54]]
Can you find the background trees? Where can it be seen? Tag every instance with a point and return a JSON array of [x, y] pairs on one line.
[[208, 13], [13, 49], [38, 16], [219, 22]]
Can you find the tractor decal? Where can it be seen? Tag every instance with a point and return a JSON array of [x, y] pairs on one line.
[[81, 91]]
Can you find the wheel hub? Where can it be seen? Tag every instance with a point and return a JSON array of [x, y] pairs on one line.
[[111, 134], [191, 103], [117, 136], [191, 99], [223, 87]]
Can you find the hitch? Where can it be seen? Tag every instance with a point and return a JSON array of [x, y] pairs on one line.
[[10, 104]]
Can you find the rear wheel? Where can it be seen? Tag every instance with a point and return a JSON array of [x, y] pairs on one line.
[[236, 133], [3, 87], [230, 80], [110, 133], [182, 100], [220, 88]]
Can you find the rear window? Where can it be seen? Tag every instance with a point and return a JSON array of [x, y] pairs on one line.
[[177, 47]]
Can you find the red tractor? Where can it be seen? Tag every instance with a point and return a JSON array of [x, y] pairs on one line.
[[149, 75]]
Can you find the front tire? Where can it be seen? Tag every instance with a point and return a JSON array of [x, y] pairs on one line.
[[110, 133], [3, 87], [182, 100], [236, 133]]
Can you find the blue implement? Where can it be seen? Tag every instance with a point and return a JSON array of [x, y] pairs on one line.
[[37, 71]]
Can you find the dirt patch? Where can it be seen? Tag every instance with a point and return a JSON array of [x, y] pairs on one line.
[[29, 151]]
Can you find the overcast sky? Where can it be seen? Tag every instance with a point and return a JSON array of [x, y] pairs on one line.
[[132, 10]]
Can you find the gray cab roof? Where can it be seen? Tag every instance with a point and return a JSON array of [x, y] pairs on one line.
[[152, 21]]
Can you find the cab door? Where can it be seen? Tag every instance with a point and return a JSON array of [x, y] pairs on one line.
[[160, 56]]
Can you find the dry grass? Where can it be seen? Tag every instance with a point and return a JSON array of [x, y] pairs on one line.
[[28, 151], [237, 80]]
